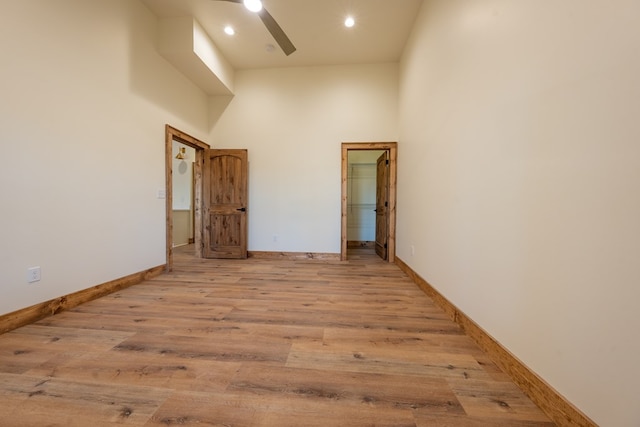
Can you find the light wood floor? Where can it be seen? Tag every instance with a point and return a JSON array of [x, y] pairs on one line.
[[257, 343]]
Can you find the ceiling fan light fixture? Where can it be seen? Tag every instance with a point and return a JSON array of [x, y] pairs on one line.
[[253, 5], [349, 22]]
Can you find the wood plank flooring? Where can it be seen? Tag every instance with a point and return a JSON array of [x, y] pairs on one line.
[[257, 343]]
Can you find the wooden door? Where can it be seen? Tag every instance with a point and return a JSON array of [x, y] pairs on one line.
[[225, 204], [382, 204]]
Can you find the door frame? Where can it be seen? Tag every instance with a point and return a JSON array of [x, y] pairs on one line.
[[173, 134], [392, 148]]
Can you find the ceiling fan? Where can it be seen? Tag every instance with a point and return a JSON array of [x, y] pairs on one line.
[[278, 34]]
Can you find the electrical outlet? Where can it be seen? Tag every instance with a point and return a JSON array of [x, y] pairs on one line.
[[33, 274], [413, 250], [275, 238]]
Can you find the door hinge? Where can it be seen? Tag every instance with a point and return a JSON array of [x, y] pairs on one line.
[[387, 161], [385, 246], [386, 204]]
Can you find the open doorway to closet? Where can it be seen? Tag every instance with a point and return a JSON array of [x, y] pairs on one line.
[[369, 198]]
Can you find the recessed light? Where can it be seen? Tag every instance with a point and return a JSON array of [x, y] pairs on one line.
[[229, 30], [349, 22]]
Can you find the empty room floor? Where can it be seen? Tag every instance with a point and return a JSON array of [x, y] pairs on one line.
[[257, 343]]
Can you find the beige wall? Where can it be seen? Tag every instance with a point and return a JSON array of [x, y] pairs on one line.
[[182, 227], [518, 183], [85, 98], [293, 122]]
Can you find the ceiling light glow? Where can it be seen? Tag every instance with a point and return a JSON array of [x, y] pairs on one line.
[[349, 22], [229, 30], [253, 5]]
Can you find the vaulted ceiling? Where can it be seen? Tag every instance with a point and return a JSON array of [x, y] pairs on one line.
[[316, 28]]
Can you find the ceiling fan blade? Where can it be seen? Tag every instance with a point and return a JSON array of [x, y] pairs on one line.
[[277, 32]]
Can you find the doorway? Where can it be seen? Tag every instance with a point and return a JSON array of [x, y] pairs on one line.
[[362, 197], [369, 219], [183, 158], [174, 135]]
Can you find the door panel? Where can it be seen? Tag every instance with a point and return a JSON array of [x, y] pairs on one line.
[[225, 204], [382, 204]]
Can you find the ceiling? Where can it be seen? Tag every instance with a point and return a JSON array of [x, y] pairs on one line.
[[316, 28]]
